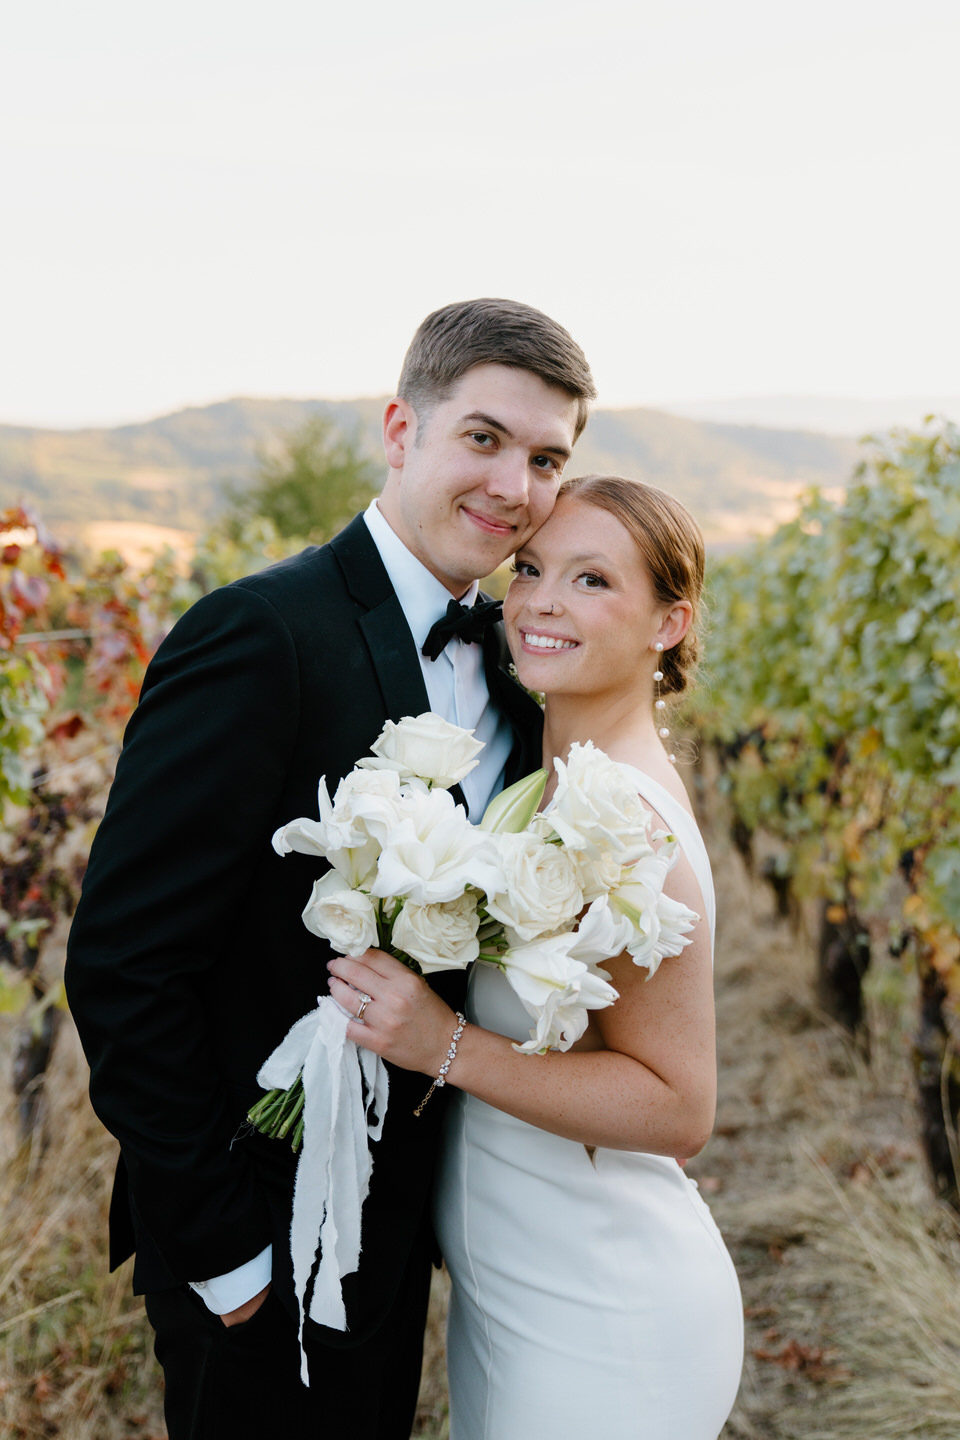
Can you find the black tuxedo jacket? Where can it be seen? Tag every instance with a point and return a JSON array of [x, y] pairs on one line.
[[188, 961]]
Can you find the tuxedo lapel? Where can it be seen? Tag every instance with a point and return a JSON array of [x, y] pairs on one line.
[[384, 627], [393, 653]]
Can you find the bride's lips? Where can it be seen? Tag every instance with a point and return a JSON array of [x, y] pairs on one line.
[[545, 642], [489, 523]]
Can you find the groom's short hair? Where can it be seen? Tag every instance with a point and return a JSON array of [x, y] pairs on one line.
[[492, 332]]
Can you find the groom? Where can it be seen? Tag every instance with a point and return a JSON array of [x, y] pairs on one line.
[[188, 961]]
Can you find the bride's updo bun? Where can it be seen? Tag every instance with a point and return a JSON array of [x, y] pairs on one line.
[[671, 544]]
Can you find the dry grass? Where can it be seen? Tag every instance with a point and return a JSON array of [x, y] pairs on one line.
[[75, 1354], [849, 1268]]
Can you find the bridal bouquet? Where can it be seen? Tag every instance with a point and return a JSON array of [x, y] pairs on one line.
[[544, 897], [410, 875]]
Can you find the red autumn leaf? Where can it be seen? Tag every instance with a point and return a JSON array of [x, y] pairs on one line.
[[32, 591], [67, 726]]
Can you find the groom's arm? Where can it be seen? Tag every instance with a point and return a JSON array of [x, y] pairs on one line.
[[189, 817], [232, 1296]]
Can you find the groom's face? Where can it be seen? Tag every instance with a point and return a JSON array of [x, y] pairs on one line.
[[474, 476]]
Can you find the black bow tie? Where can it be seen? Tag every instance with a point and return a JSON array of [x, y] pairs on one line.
[[469, 623]]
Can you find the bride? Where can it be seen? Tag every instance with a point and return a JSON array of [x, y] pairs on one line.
[[591, 1290]]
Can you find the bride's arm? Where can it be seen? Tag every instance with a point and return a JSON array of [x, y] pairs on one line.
[[651, 1086]]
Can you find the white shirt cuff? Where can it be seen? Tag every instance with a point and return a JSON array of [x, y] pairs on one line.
[[224, 1293]]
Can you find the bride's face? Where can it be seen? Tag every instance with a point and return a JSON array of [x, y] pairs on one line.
[[581, 614]]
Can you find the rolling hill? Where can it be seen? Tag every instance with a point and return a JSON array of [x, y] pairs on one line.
[[174, 471]]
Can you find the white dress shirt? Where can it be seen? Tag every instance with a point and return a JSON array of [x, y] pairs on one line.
[[456, 685], [456, 690]]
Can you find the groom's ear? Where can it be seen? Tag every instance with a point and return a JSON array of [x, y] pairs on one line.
[[399, 431], [675, 624]]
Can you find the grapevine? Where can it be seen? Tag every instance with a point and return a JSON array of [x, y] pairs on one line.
[[833, 704], [75, 638]]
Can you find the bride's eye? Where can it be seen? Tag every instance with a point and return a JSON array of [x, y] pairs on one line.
[[592, 581], [524, 568]]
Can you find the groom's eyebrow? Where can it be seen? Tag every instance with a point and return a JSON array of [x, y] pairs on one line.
[[493, 423]]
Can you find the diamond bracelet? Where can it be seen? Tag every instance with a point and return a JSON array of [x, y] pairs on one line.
[[441, 1079]]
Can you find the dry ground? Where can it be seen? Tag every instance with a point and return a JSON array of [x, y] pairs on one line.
[[849, 1270]]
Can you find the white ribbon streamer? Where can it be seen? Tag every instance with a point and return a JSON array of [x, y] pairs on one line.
[[335, 1165]]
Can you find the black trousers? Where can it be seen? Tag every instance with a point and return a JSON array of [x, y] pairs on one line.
[[243, 1382]]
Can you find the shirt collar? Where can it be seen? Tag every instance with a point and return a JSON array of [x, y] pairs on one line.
[[422, 597]]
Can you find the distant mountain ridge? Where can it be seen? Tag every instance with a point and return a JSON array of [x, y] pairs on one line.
[[174, 470], [828, 414]]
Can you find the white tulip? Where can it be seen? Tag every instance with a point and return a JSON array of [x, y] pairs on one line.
[[602, 934], [556, 990], [658, 923]]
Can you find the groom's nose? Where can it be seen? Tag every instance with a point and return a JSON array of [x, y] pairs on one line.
[[509, 479]]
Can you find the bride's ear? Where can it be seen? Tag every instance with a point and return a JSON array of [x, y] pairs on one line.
[[675, 624]]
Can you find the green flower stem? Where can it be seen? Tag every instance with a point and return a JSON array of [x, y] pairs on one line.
[[293, 1111], [278, 1110]]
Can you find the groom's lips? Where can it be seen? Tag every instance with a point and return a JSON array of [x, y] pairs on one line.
[[489, 523]]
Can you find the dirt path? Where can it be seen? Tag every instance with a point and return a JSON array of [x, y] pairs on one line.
[[815, 1175]]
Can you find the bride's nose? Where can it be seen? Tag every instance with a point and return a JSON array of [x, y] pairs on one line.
[[547, 604]]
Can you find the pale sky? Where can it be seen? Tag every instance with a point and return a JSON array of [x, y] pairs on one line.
[[206, 198]]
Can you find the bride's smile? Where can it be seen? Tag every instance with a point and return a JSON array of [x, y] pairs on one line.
[[581, 613]]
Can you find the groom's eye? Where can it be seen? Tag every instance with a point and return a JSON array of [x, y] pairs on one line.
[[546, 462]]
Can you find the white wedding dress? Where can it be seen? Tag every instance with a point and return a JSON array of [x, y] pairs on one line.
[[589, 1297]]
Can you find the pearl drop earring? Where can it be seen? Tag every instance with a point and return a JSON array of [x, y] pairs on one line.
[[660, 705]]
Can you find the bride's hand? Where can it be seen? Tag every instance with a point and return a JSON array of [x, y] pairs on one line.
[[404, 1021]]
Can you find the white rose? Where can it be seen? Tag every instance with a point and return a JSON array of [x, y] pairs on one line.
[[365, 800], [596, 808], [540, 890], [439, 937], [433, 853], [341, 915], [428, 747], [597, 874]]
